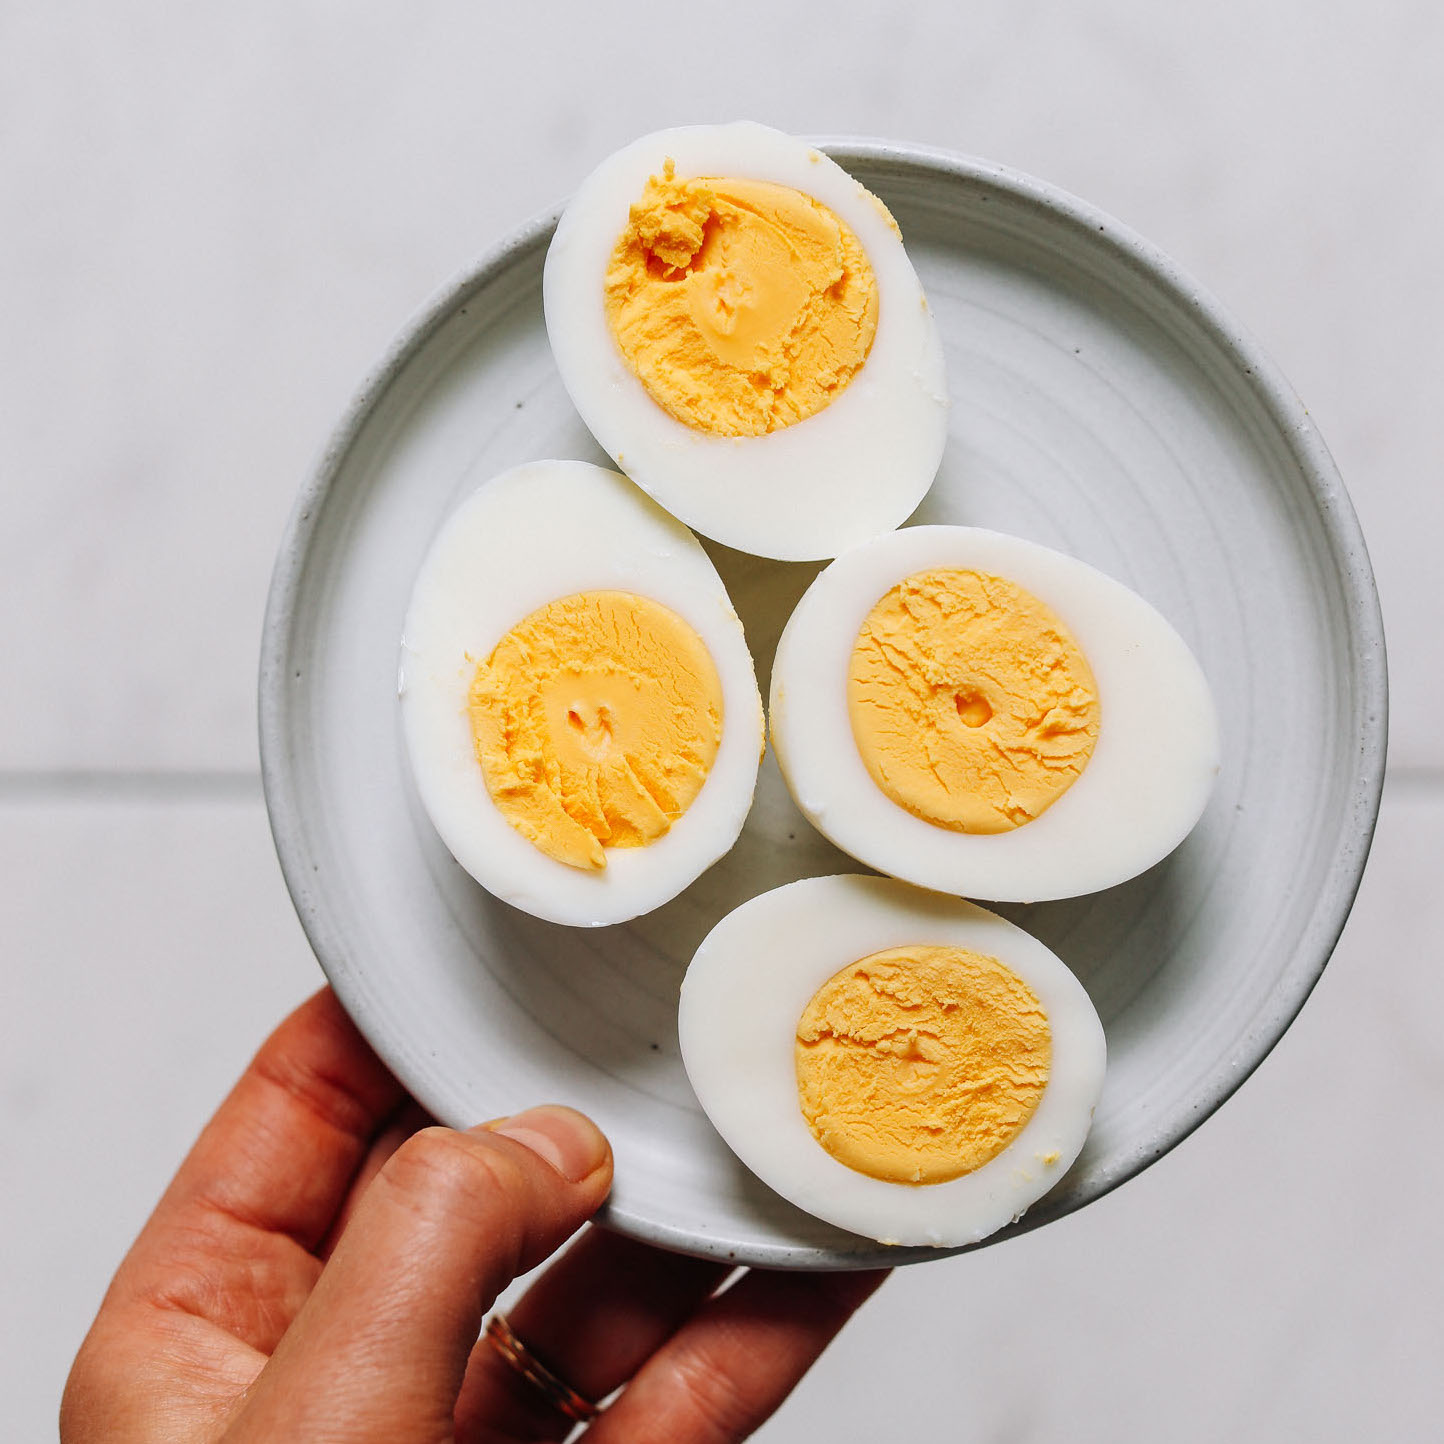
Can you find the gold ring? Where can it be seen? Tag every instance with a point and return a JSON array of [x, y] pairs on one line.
[[557, 1392]]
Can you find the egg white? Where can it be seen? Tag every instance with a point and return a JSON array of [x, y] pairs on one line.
[[741, 1000], [542, 531], [1145, 786], [858, 467]]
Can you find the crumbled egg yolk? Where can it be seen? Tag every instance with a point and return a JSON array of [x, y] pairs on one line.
[[920, 1064], [595, 721], [741, 306], [971, 704]]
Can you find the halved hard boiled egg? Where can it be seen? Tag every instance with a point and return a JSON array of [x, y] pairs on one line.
[[579, 705], [739, 325], [981, 715], [899, 1063]]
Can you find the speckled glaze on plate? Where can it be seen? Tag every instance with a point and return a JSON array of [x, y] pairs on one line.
[[1102, 404]]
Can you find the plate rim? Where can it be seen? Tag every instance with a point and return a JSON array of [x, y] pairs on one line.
[[1336, 515]]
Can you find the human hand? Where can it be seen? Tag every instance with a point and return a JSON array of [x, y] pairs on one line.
[[319, 1268]]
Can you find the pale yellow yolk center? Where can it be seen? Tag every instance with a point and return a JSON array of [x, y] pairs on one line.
[[595, 721], [971, 704], [921, 1064], [741, 306]]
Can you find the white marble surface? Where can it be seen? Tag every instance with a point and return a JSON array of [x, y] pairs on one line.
[[213, 218]]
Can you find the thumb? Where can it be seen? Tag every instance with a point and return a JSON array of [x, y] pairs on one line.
[[380, 1348]]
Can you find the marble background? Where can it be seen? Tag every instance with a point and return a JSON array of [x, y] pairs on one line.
[[212, 220]]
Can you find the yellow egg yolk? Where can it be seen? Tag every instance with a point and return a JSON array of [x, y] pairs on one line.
[[971, 704], [595, 721], [741, 306], [920, 1064]]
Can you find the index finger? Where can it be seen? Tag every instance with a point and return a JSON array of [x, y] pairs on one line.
[[281, 1150]]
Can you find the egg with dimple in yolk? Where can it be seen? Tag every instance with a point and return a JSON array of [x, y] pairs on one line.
[[579, 705], [978, 714]]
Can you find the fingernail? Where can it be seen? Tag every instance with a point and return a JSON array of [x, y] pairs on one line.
[[566, 1139]]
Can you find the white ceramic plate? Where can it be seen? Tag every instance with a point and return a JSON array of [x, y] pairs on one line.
[[1102, 405]]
